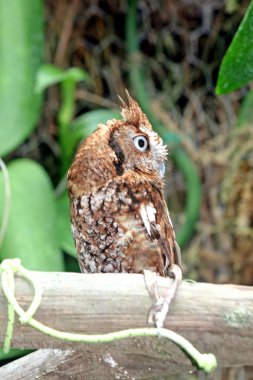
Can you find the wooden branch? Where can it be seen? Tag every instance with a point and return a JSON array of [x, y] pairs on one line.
[[215, 318]]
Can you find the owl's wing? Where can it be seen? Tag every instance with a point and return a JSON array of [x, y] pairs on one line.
[[157, 222]]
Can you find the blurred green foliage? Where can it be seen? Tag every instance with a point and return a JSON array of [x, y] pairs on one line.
[[31, 231], [245, 115], [237, 69], [21, 47]]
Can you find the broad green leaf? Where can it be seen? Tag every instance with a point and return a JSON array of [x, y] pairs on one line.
[[72, 264], [31, 233], [237, 65], [13, 353], [65, 239], [245, 115], [50, 74], [85, 124], [21, 46]]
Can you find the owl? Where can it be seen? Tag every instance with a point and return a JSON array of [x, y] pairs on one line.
[[119, 217]]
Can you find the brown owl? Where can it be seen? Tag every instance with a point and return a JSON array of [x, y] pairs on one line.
[[120, 221]]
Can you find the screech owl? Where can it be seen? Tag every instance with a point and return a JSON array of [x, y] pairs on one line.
[[120, 221]]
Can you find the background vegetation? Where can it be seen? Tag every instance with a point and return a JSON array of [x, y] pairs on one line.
[[62, 66]]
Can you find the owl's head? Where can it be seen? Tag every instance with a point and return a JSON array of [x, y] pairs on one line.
[[137, 146], [128, 148]]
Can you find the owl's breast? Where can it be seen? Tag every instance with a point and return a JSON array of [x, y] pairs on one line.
[[109, 233]]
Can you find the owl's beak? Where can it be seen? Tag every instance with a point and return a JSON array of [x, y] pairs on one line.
[[161, 168]]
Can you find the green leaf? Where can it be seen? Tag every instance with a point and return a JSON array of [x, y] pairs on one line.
[[72, 264], [31, 233], [87, 123], [237, 65], [65, 239], [50, 74], [21, 46], [13, 353], [245, 115]]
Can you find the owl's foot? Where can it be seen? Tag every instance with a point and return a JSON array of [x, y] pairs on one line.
[[160, 308]]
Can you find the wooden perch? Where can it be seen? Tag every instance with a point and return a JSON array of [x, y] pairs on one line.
[[215, 318]]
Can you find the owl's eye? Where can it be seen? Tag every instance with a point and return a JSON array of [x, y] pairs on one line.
[[141, 143]]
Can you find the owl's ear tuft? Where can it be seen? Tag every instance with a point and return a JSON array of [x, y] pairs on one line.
[[132, 113]]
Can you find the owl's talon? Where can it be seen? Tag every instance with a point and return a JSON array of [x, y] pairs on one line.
[[158, 313], [160, 308], [151, 284], [175, 272]]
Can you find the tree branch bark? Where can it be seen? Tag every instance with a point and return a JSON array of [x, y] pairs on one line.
[[215, 318]]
